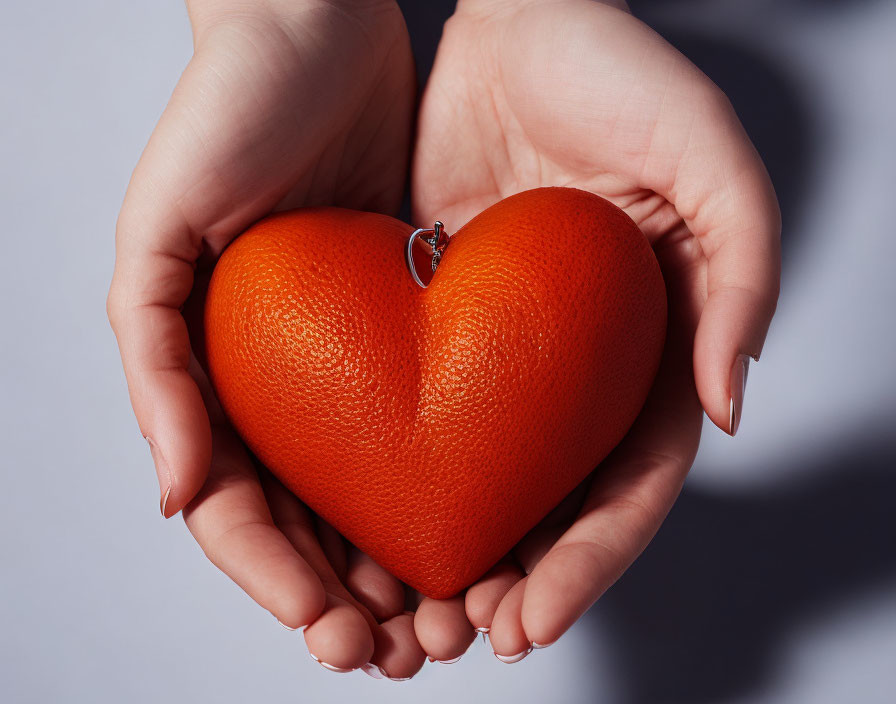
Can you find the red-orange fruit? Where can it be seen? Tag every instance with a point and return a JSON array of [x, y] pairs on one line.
[[434, 427]]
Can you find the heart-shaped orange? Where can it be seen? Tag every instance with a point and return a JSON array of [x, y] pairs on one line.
[[434, 427]]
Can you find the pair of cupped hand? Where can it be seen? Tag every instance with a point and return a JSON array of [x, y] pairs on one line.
[[288, 103]]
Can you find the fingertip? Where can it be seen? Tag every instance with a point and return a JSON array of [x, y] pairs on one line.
[[507, 635], [482, 598], [572, 572], [730, 333], [442, 628], [340, 637], [304, 605], [398, 654], [180, 443]]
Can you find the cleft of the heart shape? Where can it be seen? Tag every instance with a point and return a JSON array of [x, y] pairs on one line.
[[435, 427]]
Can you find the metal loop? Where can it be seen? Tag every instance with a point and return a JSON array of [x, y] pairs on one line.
[[436, 238]]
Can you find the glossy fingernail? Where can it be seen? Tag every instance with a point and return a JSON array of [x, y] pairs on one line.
[[164, 502], [483, 631], [739, 372], [331, 668], [373, 671], [163, 471], [288, 628], [510, 659], [538, 646]]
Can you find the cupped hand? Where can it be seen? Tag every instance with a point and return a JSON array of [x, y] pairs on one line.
[[283, 104], [576, 93]]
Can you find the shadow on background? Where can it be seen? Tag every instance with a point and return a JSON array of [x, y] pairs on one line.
[[699, 616], [702, 614], [769, 104]]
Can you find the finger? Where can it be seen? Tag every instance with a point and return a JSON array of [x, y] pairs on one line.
[[442, 628], [232, 524], [724, 193], [334, 547], [397, 654], [482, 599], [155, 350], [382, 593], [536, 543], [507, 635], [345, 643], [630, 495], [297, 523], [340, 639]]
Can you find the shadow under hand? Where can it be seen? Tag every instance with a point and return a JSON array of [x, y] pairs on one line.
[[700, 616], [770, 106]]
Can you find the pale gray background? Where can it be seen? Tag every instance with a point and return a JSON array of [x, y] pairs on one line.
[[774, 579]]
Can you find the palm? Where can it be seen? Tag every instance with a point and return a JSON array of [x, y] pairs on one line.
[[265, 122], [579, 94], [590, 122]]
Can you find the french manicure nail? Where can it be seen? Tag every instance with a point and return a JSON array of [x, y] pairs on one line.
[[510, 659], [288, 628], [739, 372], [482, 629], [450, 662], [378, 673], [373, 671], [164, 502], [331, 668], [161, 469], [538, 646]]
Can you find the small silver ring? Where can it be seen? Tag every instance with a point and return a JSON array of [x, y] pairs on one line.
[[409, 255]]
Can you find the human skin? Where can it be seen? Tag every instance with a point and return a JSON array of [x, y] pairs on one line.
[[289, 103], [283, 104], [528, 93]]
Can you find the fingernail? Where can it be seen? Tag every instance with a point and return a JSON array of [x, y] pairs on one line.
[[538, 646], [482, 629], [738, 386], [161, 470], [373, 671], [331, 668], [483, 632], [288, 628], [510, 659], [164, 502], [450, 662]]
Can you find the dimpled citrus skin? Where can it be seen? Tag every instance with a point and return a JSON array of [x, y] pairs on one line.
[[434, 427]]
